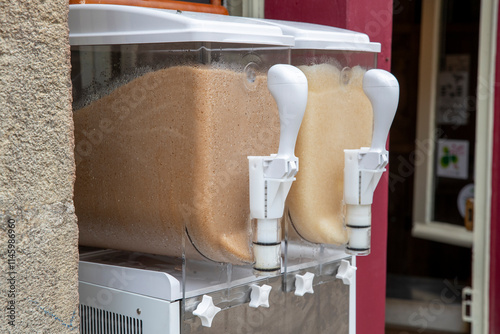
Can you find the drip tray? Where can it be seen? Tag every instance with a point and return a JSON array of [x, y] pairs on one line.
[[161, 276]]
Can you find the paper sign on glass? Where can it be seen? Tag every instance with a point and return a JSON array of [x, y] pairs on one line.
[[452, 100], [452, 158]]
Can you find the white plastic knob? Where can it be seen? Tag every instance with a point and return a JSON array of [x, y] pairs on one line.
[[260, 295], [382, 89], [206, 311], [304, 284], [346, 272], [288, 86]]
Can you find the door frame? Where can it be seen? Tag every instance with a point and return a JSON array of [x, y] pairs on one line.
[[423, 226], [484, 166]]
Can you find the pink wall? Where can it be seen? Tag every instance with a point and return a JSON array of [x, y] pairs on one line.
[[373, 17], [495, 207]]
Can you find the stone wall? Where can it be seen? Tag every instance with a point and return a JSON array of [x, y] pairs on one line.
[[38, 230]]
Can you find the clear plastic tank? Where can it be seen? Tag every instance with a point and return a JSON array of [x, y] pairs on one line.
[[338, 116], [167, 107]]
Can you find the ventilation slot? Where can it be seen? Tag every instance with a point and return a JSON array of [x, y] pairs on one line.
[[96, 321]]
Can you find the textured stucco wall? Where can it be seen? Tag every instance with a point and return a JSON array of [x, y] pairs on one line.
[[38, 282]]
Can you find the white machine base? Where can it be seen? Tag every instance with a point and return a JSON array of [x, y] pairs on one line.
[[141, 293]]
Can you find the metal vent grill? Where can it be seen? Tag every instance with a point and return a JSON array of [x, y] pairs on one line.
[[96, 321]]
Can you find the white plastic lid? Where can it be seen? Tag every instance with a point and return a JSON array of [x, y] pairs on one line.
[[320, 37], [115, 24]]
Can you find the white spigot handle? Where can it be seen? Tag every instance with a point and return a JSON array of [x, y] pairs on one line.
[[382, 89], [288, 86]]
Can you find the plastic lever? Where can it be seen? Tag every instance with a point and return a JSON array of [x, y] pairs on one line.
[[382, 89]]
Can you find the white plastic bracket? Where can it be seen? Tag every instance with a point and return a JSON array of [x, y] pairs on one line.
[[467, 315], [268, 195], [206, 311], [362, 173]]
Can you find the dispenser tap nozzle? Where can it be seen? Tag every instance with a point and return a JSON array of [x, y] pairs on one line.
[[364, 166], [271, 176]]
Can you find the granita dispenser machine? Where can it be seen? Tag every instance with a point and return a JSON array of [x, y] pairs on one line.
[[213, 193]]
